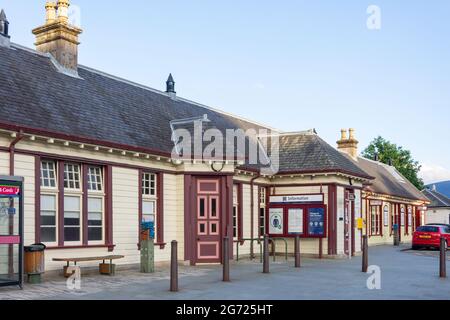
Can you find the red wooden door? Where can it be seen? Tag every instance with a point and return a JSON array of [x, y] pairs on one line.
[[208, 219]]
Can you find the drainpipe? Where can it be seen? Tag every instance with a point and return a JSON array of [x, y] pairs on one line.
[[11, 218], [12, 149], [252, 211]]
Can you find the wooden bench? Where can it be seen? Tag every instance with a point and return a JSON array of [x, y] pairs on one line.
[[104, 268]]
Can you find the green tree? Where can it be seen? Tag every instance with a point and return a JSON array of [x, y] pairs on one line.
[[401, 159]]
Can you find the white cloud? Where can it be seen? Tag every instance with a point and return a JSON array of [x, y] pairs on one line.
[[432, 173]]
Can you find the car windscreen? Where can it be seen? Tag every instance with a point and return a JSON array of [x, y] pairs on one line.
[[428, 229]]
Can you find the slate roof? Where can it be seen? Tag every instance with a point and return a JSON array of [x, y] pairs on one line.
[[307, 152], [438, 200], [104, 109], [388, 180], [97, 106]]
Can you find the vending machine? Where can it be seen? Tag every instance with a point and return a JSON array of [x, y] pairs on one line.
[[11, 231]]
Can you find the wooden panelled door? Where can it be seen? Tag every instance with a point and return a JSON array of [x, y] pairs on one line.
[[208, 221]]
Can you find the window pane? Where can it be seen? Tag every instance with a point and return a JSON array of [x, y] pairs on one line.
[[202, 208], [48, 220], [95, 234], [48, 174], [71, 203], [48, 234], [95, 179], [213, 207], [148, 207], [149, 184], [72, 220], [48, 203], [148, 218], [71, 176], [95, 204], [71, 234]]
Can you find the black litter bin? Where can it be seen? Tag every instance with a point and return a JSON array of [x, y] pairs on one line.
[[35, 262]]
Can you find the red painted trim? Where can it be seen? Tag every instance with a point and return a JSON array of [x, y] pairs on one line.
[[110, 247], [240, 212], [332, 218], [84, 227], [109, 208], [140, 208], [160, 212], [61, 204], [306, 208], [280, 173], [80, 139], [85, 160], [188, 196], [37, 199]]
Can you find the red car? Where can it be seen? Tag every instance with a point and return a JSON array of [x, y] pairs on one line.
[[430, 236]]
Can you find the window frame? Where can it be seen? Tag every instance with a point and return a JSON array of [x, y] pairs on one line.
[[262, 212], [236, 208], [103, 225], [55, 173], [55, 195], [63, 190], [155, 199], [80, 177], [80, 225], [153, 179], [99, 176], [376, 221]]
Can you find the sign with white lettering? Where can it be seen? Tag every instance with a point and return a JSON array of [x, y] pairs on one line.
[[376, 203], [276, 221], [295, 223], [307, 198]]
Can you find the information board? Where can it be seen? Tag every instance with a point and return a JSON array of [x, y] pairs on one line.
[[316, 226], [295, 221], [276, 226]]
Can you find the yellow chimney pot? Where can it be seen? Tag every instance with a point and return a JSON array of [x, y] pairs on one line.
[[50, 8], [63, 10]]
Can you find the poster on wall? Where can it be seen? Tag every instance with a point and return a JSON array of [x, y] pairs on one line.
[[295, 221], [276, 221], [316, 226]]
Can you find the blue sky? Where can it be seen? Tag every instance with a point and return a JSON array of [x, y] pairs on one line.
[[293, 65]]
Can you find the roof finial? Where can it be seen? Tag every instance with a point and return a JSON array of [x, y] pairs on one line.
[[170, 86], [4, 24]]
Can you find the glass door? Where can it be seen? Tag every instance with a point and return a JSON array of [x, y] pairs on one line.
[[11, 231]]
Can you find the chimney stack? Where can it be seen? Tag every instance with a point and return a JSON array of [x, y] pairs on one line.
[[170, 87], [58, 37], [4, 30], [348, 145]]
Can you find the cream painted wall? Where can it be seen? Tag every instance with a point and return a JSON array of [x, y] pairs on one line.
[[438, 215]]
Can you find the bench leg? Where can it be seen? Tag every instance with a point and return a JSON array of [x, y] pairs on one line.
[[108, 269]]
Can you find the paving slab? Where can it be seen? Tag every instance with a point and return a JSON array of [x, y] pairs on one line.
[[405, 275]]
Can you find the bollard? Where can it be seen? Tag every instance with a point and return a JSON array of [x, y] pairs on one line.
[[365, 257], [443, 259], [266, 255], [297, 252], [396, 235], [226, 259], [174, 268]]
